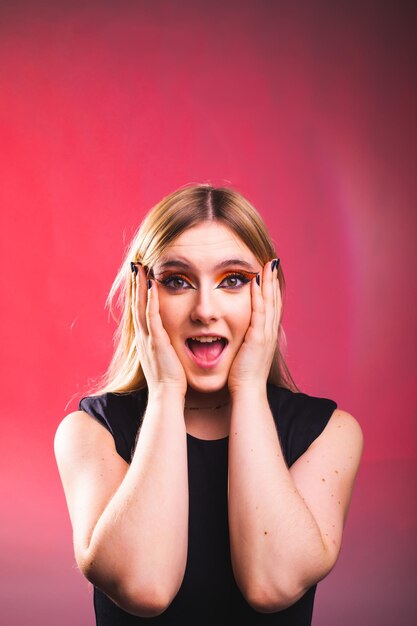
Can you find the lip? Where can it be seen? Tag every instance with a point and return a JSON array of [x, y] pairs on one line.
[[208, 335], [203, 364]]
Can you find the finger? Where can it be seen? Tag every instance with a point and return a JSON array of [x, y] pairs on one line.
[[133, 298], [153, 318], [133, 289], [257, 321], [141, 300], [278, 300], [268, 292]]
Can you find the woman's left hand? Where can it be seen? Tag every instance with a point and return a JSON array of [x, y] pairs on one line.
[[252, 363]]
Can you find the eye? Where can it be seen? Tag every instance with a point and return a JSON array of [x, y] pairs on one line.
[[235, 280], [175, 282]]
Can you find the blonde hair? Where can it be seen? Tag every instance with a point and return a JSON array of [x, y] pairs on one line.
[[184, 208]]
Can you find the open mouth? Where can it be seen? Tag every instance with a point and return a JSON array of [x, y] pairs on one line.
[[206, 351]]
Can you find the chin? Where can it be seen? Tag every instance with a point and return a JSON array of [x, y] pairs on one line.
[[207, 385]]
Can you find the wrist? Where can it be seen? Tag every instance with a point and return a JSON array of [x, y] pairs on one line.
[[248, 393], [166, 394]]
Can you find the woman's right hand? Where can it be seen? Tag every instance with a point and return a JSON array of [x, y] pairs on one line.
[[160, 363]]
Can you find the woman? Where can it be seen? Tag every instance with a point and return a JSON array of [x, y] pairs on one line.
[[216, 489]]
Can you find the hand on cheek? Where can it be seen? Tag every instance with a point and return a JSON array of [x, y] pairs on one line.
[[160, 363], [252, 363]]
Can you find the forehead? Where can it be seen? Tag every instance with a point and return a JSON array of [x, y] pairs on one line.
[[208, 242]]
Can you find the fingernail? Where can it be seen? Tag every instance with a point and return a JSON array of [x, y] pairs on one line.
[[277, 264], [133, 267], [258, 279], [274, 264], [149, 283]]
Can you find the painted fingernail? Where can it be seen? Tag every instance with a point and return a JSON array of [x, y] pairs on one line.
[[277, 264], [149, 283], [274, 264], [258, 279], [133, 267]]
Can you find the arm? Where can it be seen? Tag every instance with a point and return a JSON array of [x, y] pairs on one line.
[[130, 523], [285, 524]]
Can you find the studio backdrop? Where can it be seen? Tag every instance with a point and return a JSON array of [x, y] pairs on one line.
[[308, 109]]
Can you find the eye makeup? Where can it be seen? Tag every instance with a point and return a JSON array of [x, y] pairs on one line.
[[242, 275], [165, 278]]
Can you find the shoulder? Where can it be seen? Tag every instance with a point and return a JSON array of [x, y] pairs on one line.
[[342, 430], [298, 409], [76, 433], [300, 418], [114, 406], [294, 400], [120, 413], [104, 402]]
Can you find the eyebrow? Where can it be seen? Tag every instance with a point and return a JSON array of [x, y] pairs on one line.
[[222, 264]]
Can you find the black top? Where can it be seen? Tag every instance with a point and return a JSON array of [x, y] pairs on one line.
[[209, 593]]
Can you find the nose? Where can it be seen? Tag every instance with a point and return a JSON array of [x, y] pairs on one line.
[[205, 307]]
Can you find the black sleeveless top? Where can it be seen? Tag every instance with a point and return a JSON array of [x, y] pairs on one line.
[[209, 593]]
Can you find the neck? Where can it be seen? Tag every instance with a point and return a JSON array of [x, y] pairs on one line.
[[195, 400]]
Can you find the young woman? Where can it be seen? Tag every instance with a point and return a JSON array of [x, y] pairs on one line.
[[216, 489]]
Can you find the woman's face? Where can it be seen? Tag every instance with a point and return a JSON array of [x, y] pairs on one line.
[[204, 292]]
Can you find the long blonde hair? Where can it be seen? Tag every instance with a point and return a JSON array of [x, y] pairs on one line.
[[184, 208]]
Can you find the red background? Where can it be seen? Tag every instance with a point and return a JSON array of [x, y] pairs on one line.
[[307, 108]]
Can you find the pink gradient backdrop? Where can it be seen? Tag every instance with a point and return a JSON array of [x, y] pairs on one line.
[[309, 109]]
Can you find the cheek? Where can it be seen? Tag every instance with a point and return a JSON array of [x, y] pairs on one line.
[[240, 316], [170, 311]]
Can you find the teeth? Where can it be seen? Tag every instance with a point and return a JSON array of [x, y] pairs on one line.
[[206, 339]]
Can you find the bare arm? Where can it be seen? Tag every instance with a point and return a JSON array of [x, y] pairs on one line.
[[286, 525], [130, 523]]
